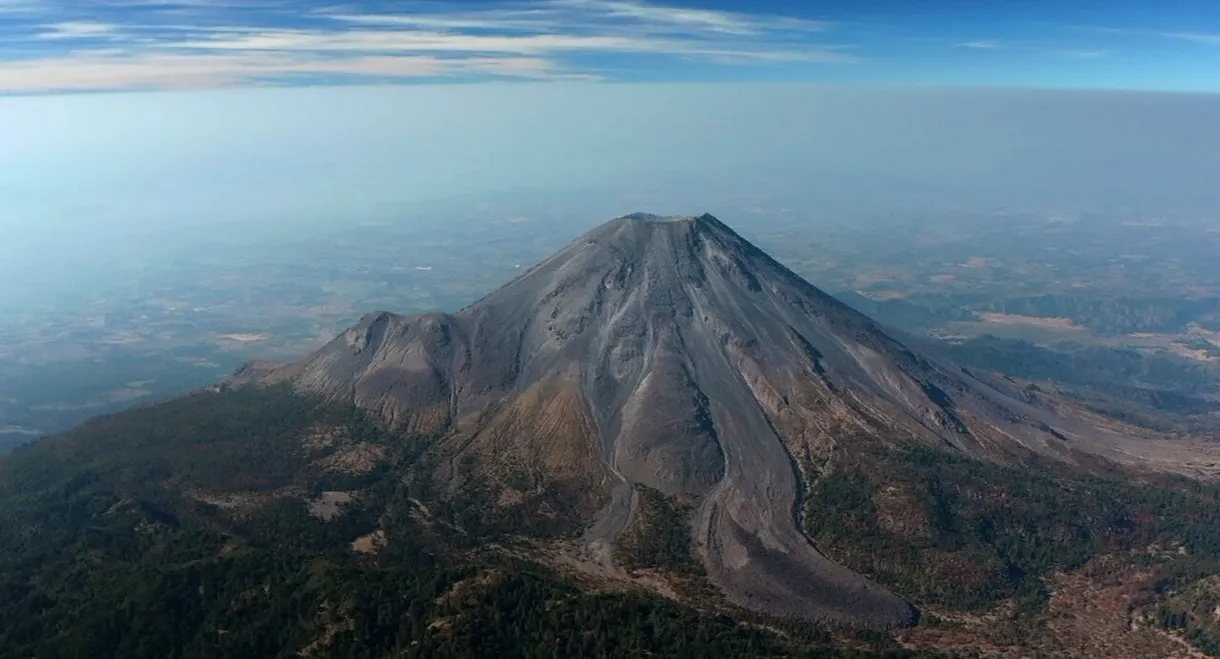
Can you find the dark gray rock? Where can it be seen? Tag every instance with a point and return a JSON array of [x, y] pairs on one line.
[[703, 365]]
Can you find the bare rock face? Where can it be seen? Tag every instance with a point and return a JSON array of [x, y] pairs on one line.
[[670, 352]]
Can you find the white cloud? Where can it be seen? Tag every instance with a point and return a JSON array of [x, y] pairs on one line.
[[75, 30], [1197, 37], [660, 17], [565, 15], [1209, 38], [827, 55], [19, 6], [982, 44], [411, 40], [1086, 54], [404, 41], [239, 43], [102, 70], [490, 20]]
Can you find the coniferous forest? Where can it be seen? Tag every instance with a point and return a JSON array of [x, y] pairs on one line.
[[185, 530], [196, 528]]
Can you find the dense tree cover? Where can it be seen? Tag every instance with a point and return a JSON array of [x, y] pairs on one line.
[[1092, 365], [54, 395], [1116, 315], [183, 531], [1192, 612], [905, 314], [1164, 392], [948, 530], [1158, 390], [660, 535], [1102, 314], [218, 441], [474, 508]]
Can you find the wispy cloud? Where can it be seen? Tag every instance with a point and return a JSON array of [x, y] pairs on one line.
[[1085, 54], [1207, 38], [982, 44], [200, 43], [687, 19], [75, 30], [19, 6], [369, 41], [92, 71], [503, 20], [1197, 37]]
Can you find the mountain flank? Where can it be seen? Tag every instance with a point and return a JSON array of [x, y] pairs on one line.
[[657, 442], [671, 354]]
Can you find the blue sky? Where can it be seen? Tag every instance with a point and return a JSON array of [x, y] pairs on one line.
[[49, 46]]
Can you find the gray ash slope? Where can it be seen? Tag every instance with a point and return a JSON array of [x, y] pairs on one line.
[[672, 353]]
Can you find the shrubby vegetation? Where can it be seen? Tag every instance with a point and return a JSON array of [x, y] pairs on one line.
[[1164, 391], [112, 544], [183, 531], [1097, 366], [1104, 315], [1192, 614], [1159, 391], [948, 530], [660, 536]]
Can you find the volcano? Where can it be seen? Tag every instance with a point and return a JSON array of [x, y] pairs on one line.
[[670, 353]]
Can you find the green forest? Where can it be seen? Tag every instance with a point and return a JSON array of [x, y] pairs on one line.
[[115, 541], [975, 533], [1101, 314], [186, 530], [660, 536]]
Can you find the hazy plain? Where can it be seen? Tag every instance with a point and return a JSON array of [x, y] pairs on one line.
[[149, 243]]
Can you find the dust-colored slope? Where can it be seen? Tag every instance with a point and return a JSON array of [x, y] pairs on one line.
[[672, 353], [540, 443]]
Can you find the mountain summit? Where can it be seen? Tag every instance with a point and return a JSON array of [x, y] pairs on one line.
[[670, 354]]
